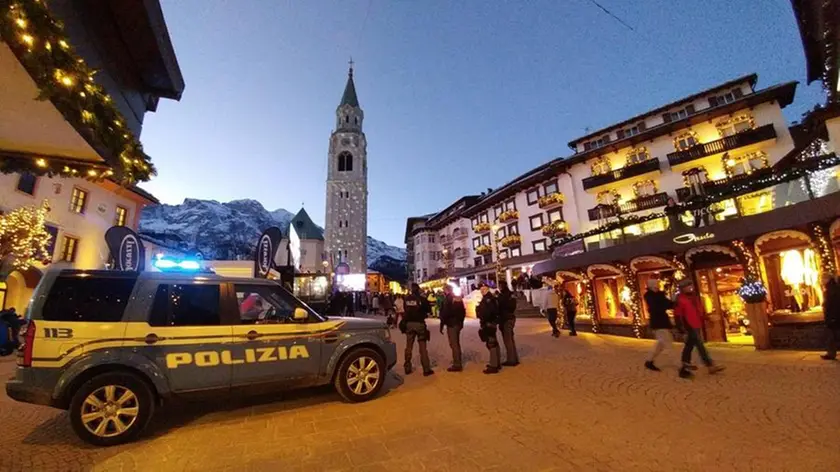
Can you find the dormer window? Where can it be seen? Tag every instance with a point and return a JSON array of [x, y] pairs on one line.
[[631, 131], [597, 143], [727, 97], [678, 114]]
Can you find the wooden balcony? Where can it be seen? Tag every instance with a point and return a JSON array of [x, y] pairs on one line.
[[650, 165], [513, 240], [728, 143], [647, 202], [716, 186], [551, 200], [482, 228], [510, 215], [555, 230]]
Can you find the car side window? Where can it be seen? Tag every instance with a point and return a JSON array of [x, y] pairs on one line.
[[263, 304], [185, 305]]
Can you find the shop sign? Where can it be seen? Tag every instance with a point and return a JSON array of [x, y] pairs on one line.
[[689, 238], [264, 255]]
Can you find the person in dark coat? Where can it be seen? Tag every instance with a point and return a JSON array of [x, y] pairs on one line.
[[507, 322], [487, 312], [570, 308], [413, 325], [660, 324], [452, 314], [831, 311]]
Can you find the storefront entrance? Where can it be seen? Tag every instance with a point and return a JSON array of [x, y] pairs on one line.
[[726, 316]]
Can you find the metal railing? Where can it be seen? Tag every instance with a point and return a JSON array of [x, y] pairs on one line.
[[728, 143], [633, 170], [646, 202]]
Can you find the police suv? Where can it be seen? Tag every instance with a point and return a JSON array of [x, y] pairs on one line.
[[110, 346]]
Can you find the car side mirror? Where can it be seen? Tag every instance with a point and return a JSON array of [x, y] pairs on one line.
[[300, 314]]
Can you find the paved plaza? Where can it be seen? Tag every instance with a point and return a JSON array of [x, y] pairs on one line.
[[582, 403]]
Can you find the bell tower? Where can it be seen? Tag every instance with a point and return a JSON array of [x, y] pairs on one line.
[[345, 238]]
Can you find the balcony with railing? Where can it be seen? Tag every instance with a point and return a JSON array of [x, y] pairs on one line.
[[482, 228], [557, 229], [632, 170], [459, 233], [551, 200], [509, 215], [645, 202], [512, 240], [718, 146], [714, 186]]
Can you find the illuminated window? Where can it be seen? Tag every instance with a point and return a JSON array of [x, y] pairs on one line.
[[735, 125], [607, 197], [78, 200], [637, 155], [644, 188], [601, 165], [686, 141], [69, 245], [744, 163], [121, 216]]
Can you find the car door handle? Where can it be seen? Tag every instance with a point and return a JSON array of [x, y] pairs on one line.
[[252, 335], [330, 338], [151, 338]]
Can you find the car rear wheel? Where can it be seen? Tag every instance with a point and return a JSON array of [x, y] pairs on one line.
[[111, 408], [360, 375]]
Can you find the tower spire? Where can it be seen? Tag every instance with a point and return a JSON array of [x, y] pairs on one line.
[[349, 97]]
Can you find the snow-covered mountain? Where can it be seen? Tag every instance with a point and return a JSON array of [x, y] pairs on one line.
[[230, 230]]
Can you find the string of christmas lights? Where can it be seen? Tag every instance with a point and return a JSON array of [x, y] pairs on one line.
[[632, 282], [40, 44]]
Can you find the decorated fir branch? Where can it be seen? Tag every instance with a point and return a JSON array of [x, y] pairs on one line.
[[24, 237], [752, 291], [39, 42]]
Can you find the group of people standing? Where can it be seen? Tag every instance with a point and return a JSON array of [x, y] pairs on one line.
[[495, 313]]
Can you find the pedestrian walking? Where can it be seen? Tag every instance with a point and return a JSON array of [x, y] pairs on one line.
[[413, 325], [688, 312], [831, 311], [374, 303], [399, 310], [452, 314], [488, 316], [507, 323], [570, 309], [433, 303], [550, 306], [385, 303], [657, 306]]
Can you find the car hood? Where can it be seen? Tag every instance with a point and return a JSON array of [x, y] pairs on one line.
[[359, 323]]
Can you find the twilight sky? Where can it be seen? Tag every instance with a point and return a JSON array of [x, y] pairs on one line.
[[458, 96]]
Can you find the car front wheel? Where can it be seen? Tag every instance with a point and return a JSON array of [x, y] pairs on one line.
[[111, 409], [360, 375]]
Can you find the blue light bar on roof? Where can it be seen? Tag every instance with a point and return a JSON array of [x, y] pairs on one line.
[[169, 265]]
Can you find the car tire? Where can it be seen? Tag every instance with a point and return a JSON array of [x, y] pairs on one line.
[[120, 400], [356, 374]]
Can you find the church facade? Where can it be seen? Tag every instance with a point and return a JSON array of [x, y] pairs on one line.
[[345, 234]]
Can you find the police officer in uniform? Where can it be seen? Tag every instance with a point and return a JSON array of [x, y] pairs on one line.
[[488, 316], [507, 322], [452, 314], [413, 324]]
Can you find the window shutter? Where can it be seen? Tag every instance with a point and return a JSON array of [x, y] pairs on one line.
[[713, 101], [666, 117], [641, 126], [737, 93], [690, 109], [619, 134]]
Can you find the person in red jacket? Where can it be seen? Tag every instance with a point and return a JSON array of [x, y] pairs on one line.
[[689, 315]]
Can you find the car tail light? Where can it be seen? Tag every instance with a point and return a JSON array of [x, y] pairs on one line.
[[25, 351]]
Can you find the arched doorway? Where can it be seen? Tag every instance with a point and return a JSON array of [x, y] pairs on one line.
[[612, 295], [658, 268], [718, 272], [790, 268], [19, 287]]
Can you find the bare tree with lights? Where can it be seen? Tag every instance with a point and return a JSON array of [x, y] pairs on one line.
[[24, 237]]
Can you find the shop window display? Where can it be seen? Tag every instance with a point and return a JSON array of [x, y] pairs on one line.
[[793, 280], [726, 316], [576, 288], [613, 298], [667, 284]]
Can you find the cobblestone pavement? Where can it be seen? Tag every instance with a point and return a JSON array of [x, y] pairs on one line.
[[582, 403]]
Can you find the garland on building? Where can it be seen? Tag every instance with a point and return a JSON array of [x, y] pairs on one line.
[[632, 282], [39, 42], [24, 237], [823, 244], [747, 259]]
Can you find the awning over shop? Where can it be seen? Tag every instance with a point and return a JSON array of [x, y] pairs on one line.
[[820, 209]]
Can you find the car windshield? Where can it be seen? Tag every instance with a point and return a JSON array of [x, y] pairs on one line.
[[301, 303]]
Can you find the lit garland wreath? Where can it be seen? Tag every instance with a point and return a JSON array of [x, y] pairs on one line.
[[62, 76]]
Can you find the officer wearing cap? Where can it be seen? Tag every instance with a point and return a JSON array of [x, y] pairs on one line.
[[413, 325], [452, 315], [488, 316]]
